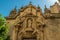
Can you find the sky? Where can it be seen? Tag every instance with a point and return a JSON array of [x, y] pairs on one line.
[[7, 5]]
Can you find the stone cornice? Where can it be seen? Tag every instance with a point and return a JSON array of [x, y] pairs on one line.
[[53, 16], [12, 18], [21, 10]]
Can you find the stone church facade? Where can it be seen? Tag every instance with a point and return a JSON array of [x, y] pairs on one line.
[[29, 23]]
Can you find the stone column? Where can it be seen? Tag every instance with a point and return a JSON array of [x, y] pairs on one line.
[[13, 34], [16, 31], [20, 37], [38, 37]]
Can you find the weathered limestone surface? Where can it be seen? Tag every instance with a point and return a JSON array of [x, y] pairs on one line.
[[31, 23]]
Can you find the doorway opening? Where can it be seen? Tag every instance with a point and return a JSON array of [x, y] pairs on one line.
[[29, 39]]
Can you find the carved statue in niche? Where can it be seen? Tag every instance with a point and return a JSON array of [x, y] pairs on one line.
[[29, 23]]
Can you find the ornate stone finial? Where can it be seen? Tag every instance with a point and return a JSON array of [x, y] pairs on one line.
[[45, 7], [57, 4], [21, 7], [13, 12], [30, 3], [38, 7], [46, 10], [14, 9]]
